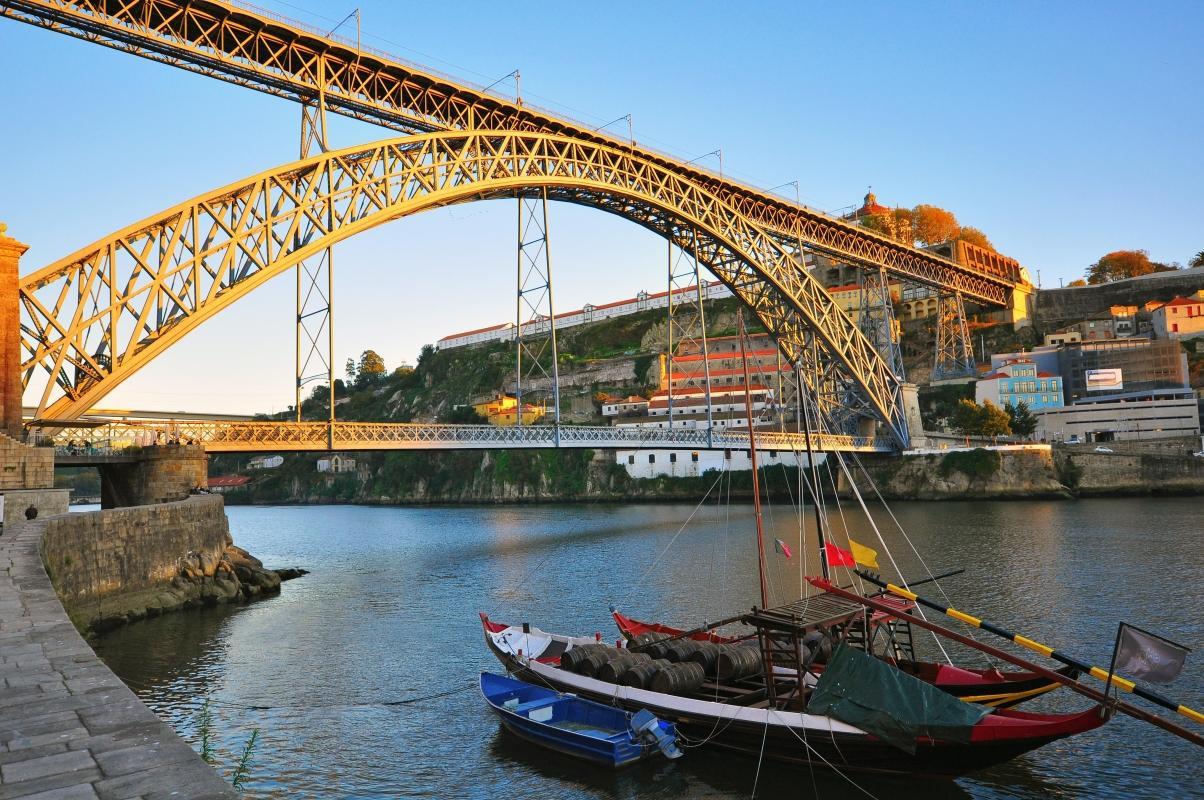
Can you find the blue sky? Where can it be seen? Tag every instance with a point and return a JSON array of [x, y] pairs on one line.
[[1063, 130]]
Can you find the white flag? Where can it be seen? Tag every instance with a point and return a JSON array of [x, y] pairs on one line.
[[1143, 655]]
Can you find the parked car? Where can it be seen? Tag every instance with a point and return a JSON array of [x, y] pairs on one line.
[[1073, 439], [1199, 454], [1104, 450]]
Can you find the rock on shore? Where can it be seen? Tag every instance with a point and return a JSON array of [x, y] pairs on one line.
[[201, 580]]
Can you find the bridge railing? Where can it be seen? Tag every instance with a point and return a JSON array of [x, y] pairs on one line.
[[236, 436]]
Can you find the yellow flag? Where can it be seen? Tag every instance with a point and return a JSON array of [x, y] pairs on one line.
[[864, 555]]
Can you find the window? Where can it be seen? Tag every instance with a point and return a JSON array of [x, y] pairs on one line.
[[727, 454], [652, 458], [673, 458], [630, 459], [694, 456]]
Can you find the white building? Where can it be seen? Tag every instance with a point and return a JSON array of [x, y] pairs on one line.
[[1156, 414], [336, 463], [625, 406], [693, 463], [587, 313], [265, 462]]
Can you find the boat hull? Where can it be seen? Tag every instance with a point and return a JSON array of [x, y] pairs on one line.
[[803, 739]]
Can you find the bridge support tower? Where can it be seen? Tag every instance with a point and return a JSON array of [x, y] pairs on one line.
[[954, 353], [10, 334], [159, 475]]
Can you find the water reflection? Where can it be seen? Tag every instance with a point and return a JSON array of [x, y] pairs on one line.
[[389, 615]]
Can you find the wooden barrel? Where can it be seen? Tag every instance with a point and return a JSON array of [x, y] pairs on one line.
[[572, 657], [590, 665], [680, 678], [645, 639], [640, 675], [706, 656], [737, 662], [613, 669], [680, 649]]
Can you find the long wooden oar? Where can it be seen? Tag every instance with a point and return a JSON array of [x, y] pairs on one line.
[[1070, 683], [1037, 647]]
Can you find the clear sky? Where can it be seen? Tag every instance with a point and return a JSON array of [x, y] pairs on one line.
[[1063, 130]]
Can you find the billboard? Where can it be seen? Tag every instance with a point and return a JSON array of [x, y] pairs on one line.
[[1105, 380]]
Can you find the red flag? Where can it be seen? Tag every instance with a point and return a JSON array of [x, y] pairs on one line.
[[781, 547], [838, 557]]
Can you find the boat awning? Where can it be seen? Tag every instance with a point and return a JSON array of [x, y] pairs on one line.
[[881, 699]]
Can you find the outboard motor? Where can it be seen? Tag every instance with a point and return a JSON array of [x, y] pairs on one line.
[[648, 728]]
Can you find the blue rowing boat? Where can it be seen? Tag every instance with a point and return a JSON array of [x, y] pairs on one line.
[[577, 727]]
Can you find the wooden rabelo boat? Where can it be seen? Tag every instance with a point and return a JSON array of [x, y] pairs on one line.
[[992, 687], [753, 715]]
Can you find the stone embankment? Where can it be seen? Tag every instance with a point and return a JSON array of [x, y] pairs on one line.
[[1035, 472], [69, 728], [120, 565]]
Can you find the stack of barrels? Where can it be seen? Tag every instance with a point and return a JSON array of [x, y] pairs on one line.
[[661, 663]]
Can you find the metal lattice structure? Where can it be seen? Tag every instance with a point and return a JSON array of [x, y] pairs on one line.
[[315, 288], [535, 350], [259, 50], [954, 353], [878, 318], [686, 322], [94, 318], [273, 437]]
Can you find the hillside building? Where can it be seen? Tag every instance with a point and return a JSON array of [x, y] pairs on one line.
[[1020, 381], [503, 410], [1181, 318]]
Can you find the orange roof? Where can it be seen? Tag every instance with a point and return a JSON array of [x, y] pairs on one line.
[[1184, 301], [221, 481], [477, 330], [713, 356]]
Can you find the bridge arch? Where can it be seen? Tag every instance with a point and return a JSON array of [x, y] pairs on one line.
[[95, 317]]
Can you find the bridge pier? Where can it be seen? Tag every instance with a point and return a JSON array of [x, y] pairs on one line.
[[159, 475], [10, 334]]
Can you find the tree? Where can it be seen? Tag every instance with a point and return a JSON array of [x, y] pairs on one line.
[[934, 225], [976, 237], [1197, 260], [349, 367], [1120, 264], [995, 421], [1023, 422], [371, 366], [966, 418], [1077, 282]]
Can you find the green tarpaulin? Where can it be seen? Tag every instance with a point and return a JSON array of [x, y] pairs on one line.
[[864, 691]]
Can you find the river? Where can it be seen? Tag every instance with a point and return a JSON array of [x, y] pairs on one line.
[[326, 672]]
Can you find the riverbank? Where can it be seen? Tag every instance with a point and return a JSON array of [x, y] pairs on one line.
[[523, 477], [116, 566], [69, 727]]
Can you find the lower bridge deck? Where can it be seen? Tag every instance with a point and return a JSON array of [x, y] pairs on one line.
[[81, 442]]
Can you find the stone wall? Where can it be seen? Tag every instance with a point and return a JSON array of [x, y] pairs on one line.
[[25, 467], [161, 475], [92, 555], [964, 475], [46, 502], [1054, 307], [1133, 473]]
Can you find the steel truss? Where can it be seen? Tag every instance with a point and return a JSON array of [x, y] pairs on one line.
[[315, 286], [88, 320], [686, 321], [256, 49], [249, 437], [535, 349], [954, 354]]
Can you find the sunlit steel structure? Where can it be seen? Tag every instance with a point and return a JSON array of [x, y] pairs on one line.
[[94, 318]]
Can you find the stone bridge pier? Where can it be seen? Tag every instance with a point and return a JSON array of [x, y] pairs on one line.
[[155, 475]]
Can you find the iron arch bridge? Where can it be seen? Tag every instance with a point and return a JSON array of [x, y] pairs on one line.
[[95, 317]]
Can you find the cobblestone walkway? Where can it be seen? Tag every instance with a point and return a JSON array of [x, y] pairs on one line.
[[68, 727]]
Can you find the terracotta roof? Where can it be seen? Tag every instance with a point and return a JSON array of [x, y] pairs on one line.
[[476, 330], [848, 287], [713, 356], [221, 481], [1184, 301], [1047, 375]]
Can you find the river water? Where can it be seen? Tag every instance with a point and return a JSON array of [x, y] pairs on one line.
[[331, 673]]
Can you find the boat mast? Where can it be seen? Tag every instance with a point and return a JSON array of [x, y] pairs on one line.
[[815, 490], [752, 457]]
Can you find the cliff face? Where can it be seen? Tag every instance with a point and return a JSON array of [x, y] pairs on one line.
[[976, 474], [501, 476]]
